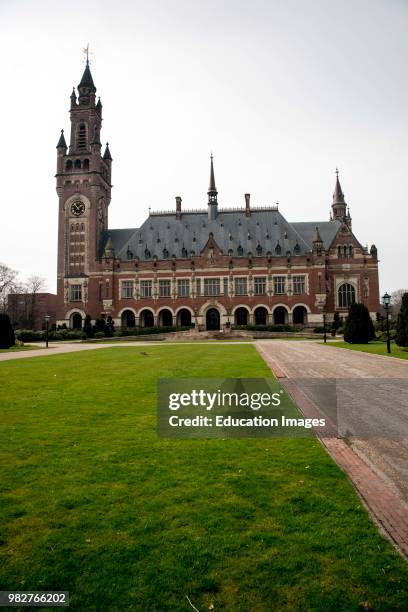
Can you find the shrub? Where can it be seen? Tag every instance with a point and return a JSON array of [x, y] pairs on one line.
[[28, 335], [88, 328], [359, 328], [109, 327], [336, 322], [100, 324], [401, 336], [99, 334], [7, 338]]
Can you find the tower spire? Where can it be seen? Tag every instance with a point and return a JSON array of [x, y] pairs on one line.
[[339, 205], [212, 193]]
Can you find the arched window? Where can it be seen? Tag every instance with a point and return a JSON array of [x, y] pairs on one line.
[[259, 250], [278, 249], [296, 249], [85, 165], [81, 142], [240, 251], [77, 164], [347, 295], [68, 166], [184, 252], [147, 254]]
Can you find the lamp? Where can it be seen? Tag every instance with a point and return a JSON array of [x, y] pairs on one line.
[[386, 300]]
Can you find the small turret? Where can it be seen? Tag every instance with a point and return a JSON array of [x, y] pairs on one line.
[[212, 194], [107, 155], [317, 242], [109, 250], [339, 205], [61, 142]]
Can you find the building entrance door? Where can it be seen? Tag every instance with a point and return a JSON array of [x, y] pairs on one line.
[[212, 319]]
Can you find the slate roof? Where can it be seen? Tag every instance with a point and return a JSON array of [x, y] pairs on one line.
[[265, 230]]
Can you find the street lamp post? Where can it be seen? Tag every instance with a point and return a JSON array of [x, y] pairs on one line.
[[47, 322], [386, 300], [324, 323]]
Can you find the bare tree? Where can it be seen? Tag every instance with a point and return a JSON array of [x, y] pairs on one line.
[[8, 284], [32, 287], [396, 299]]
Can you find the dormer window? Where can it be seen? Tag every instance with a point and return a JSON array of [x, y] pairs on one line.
[[259, 250], [296, 249], [147, 254], [240, 251], [278, 249], [165, 253]]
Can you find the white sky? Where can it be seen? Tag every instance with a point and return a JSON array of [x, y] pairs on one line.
[[282, 91]]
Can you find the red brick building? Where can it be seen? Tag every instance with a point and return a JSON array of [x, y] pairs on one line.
[[27, 310], [210, 267]]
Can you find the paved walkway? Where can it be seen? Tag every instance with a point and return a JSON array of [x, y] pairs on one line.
[[371, 392]]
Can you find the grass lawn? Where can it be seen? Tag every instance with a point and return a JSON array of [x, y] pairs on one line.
[[26, 347], [94, 503], [375, 347]]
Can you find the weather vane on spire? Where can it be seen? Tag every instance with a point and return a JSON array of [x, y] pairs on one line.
[[337, 171], [87, 53]]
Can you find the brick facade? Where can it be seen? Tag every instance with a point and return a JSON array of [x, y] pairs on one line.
[[289, 271]]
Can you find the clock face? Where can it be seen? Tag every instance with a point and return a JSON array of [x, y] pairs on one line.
[[77, 208]]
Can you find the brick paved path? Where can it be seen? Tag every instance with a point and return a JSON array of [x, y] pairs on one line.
[[377, 465]]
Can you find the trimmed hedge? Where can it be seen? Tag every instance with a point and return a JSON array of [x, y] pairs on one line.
[[265, 328], [28, 335]]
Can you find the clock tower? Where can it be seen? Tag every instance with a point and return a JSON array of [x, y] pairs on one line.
[[84, 191]]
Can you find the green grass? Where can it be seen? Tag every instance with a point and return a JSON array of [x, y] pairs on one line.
[[376, 347], [94, 503], [26, 347]]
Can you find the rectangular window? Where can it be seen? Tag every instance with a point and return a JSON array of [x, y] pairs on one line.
[[126, 289], [279, 284], [241, 285], [183, 287], [76, 293], [260, 285], [225, 285], [198, 286], [164, 288], [146, 288], [211, 286], [298, 285]]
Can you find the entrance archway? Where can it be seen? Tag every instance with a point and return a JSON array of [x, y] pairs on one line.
[[165, 318], [241, 316], [128, 319], [184, 318], [212, 319], [146, 318], [261, 316], [280, 315], [299, 315], [76, 321]]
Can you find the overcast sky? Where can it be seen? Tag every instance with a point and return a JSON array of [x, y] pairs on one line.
[[282, 92]]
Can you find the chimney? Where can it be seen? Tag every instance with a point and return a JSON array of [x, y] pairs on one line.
[[247, 208], [178, 207]]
